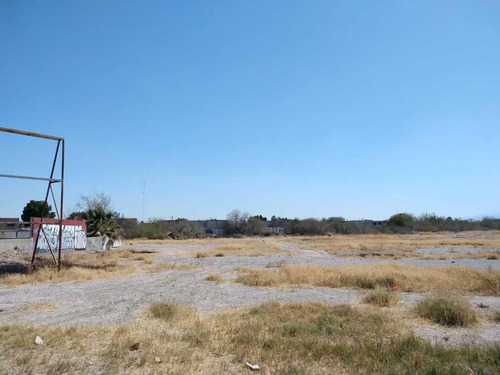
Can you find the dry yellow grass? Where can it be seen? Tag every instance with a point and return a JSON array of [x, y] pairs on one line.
[[76, 274], [158, 267], [215, 278], [38, 307], [409, 278], [382, 297], [290, 338], [391, 254], [80, 267], [387, 242], [250, 247]]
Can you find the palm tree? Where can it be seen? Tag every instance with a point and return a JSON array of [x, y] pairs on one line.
[[100, 223]]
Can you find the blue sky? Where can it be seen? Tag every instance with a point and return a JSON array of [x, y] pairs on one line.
[[289, 108]]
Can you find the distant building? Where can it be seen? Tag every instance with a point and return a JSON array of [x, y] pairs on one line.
[[368, 224], [276, 227], [123, 221], [11, 228], [213, 227], [9, 223]]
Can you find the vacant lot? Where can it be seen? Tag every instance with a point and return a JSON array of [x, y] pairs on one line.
[[293, 305]]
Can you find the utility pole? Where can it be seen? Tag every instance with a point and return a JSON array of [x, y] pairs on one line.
[[143, 198]]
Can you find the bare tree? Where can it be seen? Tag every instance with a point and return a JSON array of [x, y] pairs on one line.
[[95, 202], [236, 221]]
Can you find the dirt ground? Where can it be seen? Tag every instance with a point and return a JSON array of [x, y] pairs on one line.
[[119, 300]]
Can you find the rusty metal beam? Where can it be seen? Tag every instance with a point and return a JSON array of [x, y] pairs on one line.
[[30, 177], [30, 134]]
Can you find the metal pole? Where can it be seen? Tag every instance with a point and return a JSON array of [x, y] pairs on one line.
[[61, 207], [30, 177], [46, 197], [30, 134]]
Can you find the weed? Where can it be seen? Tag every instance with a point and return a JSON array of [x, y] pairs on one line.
[[447, 310], [409, 278], [160, 266], [38, 307], [168, 311], [496, 316], [381, 297], [215, 278], [289, 338]]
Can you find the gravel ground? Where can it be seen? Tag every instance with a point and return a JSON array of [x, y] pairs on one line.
[[116, 301], [485, 334], [109, 302]]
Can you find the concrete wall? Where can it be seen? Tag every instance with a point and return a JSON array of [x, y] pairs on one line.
[[95, 243], [21, 245], [15, 234], [10, 248]]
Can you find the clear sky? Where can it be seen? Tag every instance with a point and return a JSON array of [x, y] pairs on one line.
[[289, 108]]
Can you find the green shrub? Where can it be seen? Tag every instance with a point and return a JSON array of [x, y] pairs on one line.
[[447, 310]]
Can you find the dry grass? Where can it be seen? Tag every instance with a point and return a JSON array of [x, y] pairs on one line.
[[382, 297], [448, 310], [169, 311], [158, 267], [254, 247], [82, 267], [76, 274], [490, 255], [390, 242], [364, 245], [409, 278], [391, 254], [496, 316], [291, 338], [215, 278], [250, 247], [38, 307]]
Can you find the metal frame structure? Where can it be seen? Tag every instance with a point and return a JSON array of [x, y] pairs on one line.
[[51, 180]]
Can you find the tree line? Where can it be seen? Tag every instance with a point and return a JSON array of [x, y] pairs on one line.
[[102, 220]]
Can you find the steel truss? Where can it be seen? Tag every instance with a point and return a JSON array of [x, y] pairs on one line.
[[51, 180]]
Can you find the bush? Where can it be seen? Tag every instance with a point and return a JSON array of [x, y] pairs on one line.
[[215, 278], [256, 226], [168, 311], [309, 227], [496, 316], [400, 223], [381, 297], [447, 310], [129, 228]]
